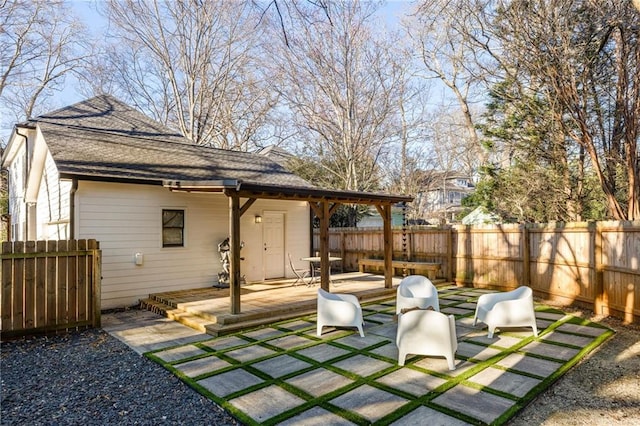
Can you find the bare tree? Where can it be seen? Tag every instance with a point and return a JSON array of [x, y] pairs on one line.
[[448, 36], [41, 43], [340, 85], [411, 156], [193, 65]]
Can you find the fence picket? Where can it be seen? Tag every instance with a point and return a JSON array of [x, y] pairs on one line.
[[41, 286]]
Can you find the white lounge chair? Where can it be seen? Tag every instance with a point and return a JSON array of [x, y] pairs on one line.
[[426, 332], [339, 310], [507, 309], [416, 291]]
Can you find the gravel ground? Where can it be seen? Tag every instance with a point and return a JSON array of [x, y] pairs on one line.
[[90, 377]]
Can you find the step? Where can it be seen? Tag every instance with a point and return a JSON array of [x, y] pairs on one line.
[[219, 329], [187, 318]]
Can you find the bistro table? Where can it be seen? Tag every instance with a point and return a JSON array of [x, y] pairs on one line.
[[313, 260]]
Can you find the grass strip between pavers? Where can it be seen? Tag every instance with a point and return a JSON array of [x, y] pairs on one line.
[[413, 402]]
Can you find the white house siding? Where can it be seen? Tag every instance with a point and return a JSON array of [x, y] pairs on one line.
[[126, 219], [53, 204]]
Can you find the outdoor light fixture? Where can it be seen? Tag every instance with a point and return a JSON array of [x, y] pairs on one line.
[[258, 218]]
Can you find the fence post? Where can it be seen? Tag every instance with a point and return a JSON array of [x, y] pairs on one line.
[[29, 287], [600, 305], [17, 294], [526, 255], [343, 251], [97, 281], [7, 280], [451, 268]]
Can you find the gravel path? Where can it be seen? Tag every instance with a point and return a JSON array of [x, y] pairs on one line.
[[90, 377]]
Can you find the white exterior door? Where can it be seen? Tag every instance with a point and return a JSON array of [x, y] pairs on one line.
[[273, 239]]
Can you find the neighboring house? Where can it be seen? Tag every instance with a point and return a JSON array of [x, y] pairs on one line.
[[372, 218], [480, 216], [442, 194], [100, 169]]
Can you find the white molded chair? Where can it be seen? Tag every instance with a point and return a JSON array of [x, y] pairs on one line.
[[507, 309], [339, 310], [416, 291], [426, 332], [301, 274]]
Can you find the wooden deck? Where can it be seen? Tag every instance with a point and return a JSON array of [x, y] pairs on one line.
[[208, 309]]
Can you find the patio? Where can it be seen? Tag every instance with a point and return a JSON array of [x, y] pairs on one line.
[[283, 374], [207, 309]]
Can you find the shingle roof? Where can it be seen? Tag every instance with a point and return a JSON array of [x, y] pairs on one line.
[[103, 138]]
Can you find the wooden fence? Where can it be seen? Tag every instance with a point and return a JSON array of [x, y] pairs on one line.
[[49, 286], [594, 265]]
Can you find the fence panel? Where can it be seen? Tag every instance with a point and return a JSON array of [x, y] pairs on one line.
[[488, 256], [561, 262], [620, 269], [49, 285], [590, 264]]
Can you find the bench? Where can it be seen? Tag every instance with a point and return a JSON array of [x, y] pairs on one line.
[[431, 268]]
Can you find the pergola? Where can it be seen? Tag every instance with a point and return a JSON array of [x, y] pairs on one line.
[[323, 203]]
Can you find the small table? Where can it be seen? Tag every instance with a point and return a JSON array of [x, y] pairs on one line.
[[316, 259]]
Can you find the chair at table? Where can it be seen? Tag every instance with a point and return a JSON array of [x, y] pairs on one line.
[[416, 291], [339, 310], [507, 309], [301, 274], [426, 332]]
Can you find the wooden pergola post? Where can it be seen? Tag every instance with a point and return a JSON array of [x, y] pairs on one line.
[[324, 211], [385, 212], [234, 243]]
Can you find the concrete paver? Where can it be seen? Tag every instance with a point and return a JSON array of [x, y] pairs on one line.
[[436, 418], [511, 383], [316, 416], [278, 401], [230, 382], [412, 381], [483, 406], [201, 366], [371, 403], [281, 365], [531, 365], [319, 382]]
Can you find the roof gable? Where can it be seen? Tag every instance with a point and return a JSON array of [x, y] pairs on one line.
[[103, 138]]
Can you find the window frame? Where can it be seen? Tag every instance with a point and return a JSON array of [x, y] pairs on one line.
[[182, 228]]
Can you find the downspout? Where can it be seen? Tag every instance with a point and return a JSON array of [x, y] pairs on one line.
[[72, 209], [26, 177]]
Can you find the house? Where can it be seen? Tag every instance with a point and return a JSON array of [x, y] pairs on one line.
[[480, 216], [159, 205], [372, 219], [441, 196]]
